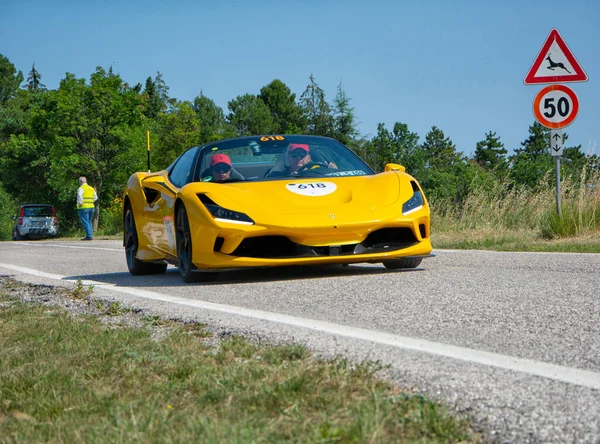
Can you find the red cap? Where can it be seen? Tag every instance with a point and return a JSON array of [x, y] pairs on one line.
[[295, 146], [220, 158]]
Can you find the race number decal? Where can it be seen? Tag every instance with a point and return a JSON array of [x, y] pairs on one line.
[[312, 188]]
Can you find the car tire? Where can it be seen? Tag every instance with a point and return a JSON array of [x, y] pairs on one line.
[[16, 236], [185, 251], [397, 264], [130, 239]]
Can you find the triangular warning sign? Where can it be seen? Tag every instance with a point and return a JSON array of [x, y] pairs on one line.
[[555, 63]]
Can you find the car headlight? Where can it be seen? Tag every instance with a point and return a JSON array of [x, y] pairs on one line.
[[223, 214], [413, 204]]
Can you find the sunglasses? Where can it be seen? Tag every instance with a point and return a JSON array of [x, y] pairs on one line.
[[221, 168], [298, 154]]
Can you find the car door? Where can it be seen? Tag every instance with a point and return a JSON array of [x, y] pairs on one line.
[[163, 191]]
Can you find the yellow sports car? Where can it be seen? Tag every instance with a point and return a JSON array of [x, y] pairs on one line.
[[272, 200]]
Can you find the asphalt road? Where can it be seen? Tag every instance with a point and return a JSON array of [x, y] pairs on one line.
[[511, 339]]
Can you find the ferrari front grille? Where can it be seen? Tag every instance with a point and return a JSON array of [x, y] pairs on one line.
[[390, 238], [269, 247], [273, 247]]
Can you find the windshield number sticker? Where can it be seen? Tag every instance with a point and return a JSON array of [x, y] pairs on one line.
[[267, 138], [346, 173], [312, 188]]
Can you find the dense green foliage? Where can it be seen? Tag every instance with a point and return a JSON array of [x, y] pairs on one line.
[[97, 128]]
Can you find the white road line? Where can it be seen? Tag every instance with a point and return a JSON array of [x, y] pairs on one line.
[[70, 246], [584, 378]]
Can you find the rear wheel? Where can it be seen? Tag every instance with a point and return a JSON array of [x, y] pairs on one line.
[[185, 250], [136, 266], [16, 236], [397, 264]]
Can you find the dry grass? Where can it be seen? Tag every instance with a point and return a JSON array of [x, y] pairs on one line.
[[496, 216]]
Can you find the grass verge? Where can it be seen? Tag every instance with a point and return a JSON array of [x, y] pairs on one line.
[[66, 378], [513, 240]]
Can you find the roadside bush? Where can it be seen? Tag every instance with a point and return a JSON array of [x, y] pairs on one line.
[[111, 218], [7, 208]]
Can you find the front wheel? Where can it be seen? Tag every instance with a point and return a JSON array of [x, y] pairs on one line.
[[185, 250], [397, 264], [137, 267]]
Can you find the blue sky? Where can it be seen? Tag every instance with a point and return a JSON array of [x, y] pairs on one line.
[[458, 65]]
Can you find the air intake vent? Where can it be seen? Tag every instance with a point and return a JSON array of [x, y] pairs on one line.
[[390, 239]]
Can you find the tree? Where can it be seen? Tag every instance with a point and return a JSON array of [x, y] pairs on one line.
[[7, 207], [399, 146], [29, 156], [249, 115], [34, 81], [316, 110], [180, 129], [537, 144], [210, 117], [157, 97], [343, 118], [10, 79], [446, 174], [490, 154], [440, 152], [91, 129], [287, 115], [532, 162]]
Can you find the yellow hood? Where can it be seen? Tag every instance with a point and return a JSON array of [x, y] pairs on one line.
[[279, 202]]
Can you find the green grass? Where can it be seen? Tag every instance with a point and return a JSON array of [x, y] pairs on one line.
[[66, 379], [513, 240]]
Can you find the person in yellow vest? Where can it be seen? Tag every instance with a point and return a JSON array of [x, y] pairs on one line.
[[86, 196]]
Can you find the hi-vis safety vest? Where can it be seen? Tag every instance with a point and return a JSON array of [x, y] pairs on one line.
[[88, 197]]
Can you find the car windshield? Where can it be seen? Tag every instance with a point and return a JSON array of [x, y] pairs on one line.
[[41, 211], [266, 158]]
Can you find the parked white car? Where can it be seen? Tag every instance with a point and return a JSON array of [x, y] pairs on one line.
[[35, 221]]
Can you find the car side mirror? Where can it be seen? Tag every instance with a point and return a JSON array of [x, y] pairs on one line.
[[12, 217], [394, 167]]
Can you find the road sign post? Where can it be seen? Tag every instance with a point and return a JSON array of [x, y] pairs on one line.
[[556, 149], [557, 177], [555, 106]]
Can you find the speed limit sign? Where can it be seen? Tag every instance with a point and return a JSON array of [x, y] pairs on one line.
[[556, 106]]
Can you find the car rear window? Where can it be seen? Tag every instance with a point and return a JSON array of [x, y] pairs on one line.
[[38, 212]]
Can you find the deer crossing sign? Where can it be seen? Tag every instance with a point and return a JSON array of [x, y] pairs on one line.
[[555, 63]]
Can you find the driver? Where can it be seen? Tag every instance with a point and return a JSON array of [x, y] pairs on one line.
[[220, 170], [297, 156]]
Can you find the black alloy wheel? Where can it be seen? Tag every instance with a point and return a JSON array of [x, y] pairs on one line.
[[137, 267], [185, 251]]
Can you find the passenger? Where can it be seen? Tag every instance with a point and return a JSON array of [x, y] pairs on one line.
[[297, 156], [220, 170]]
